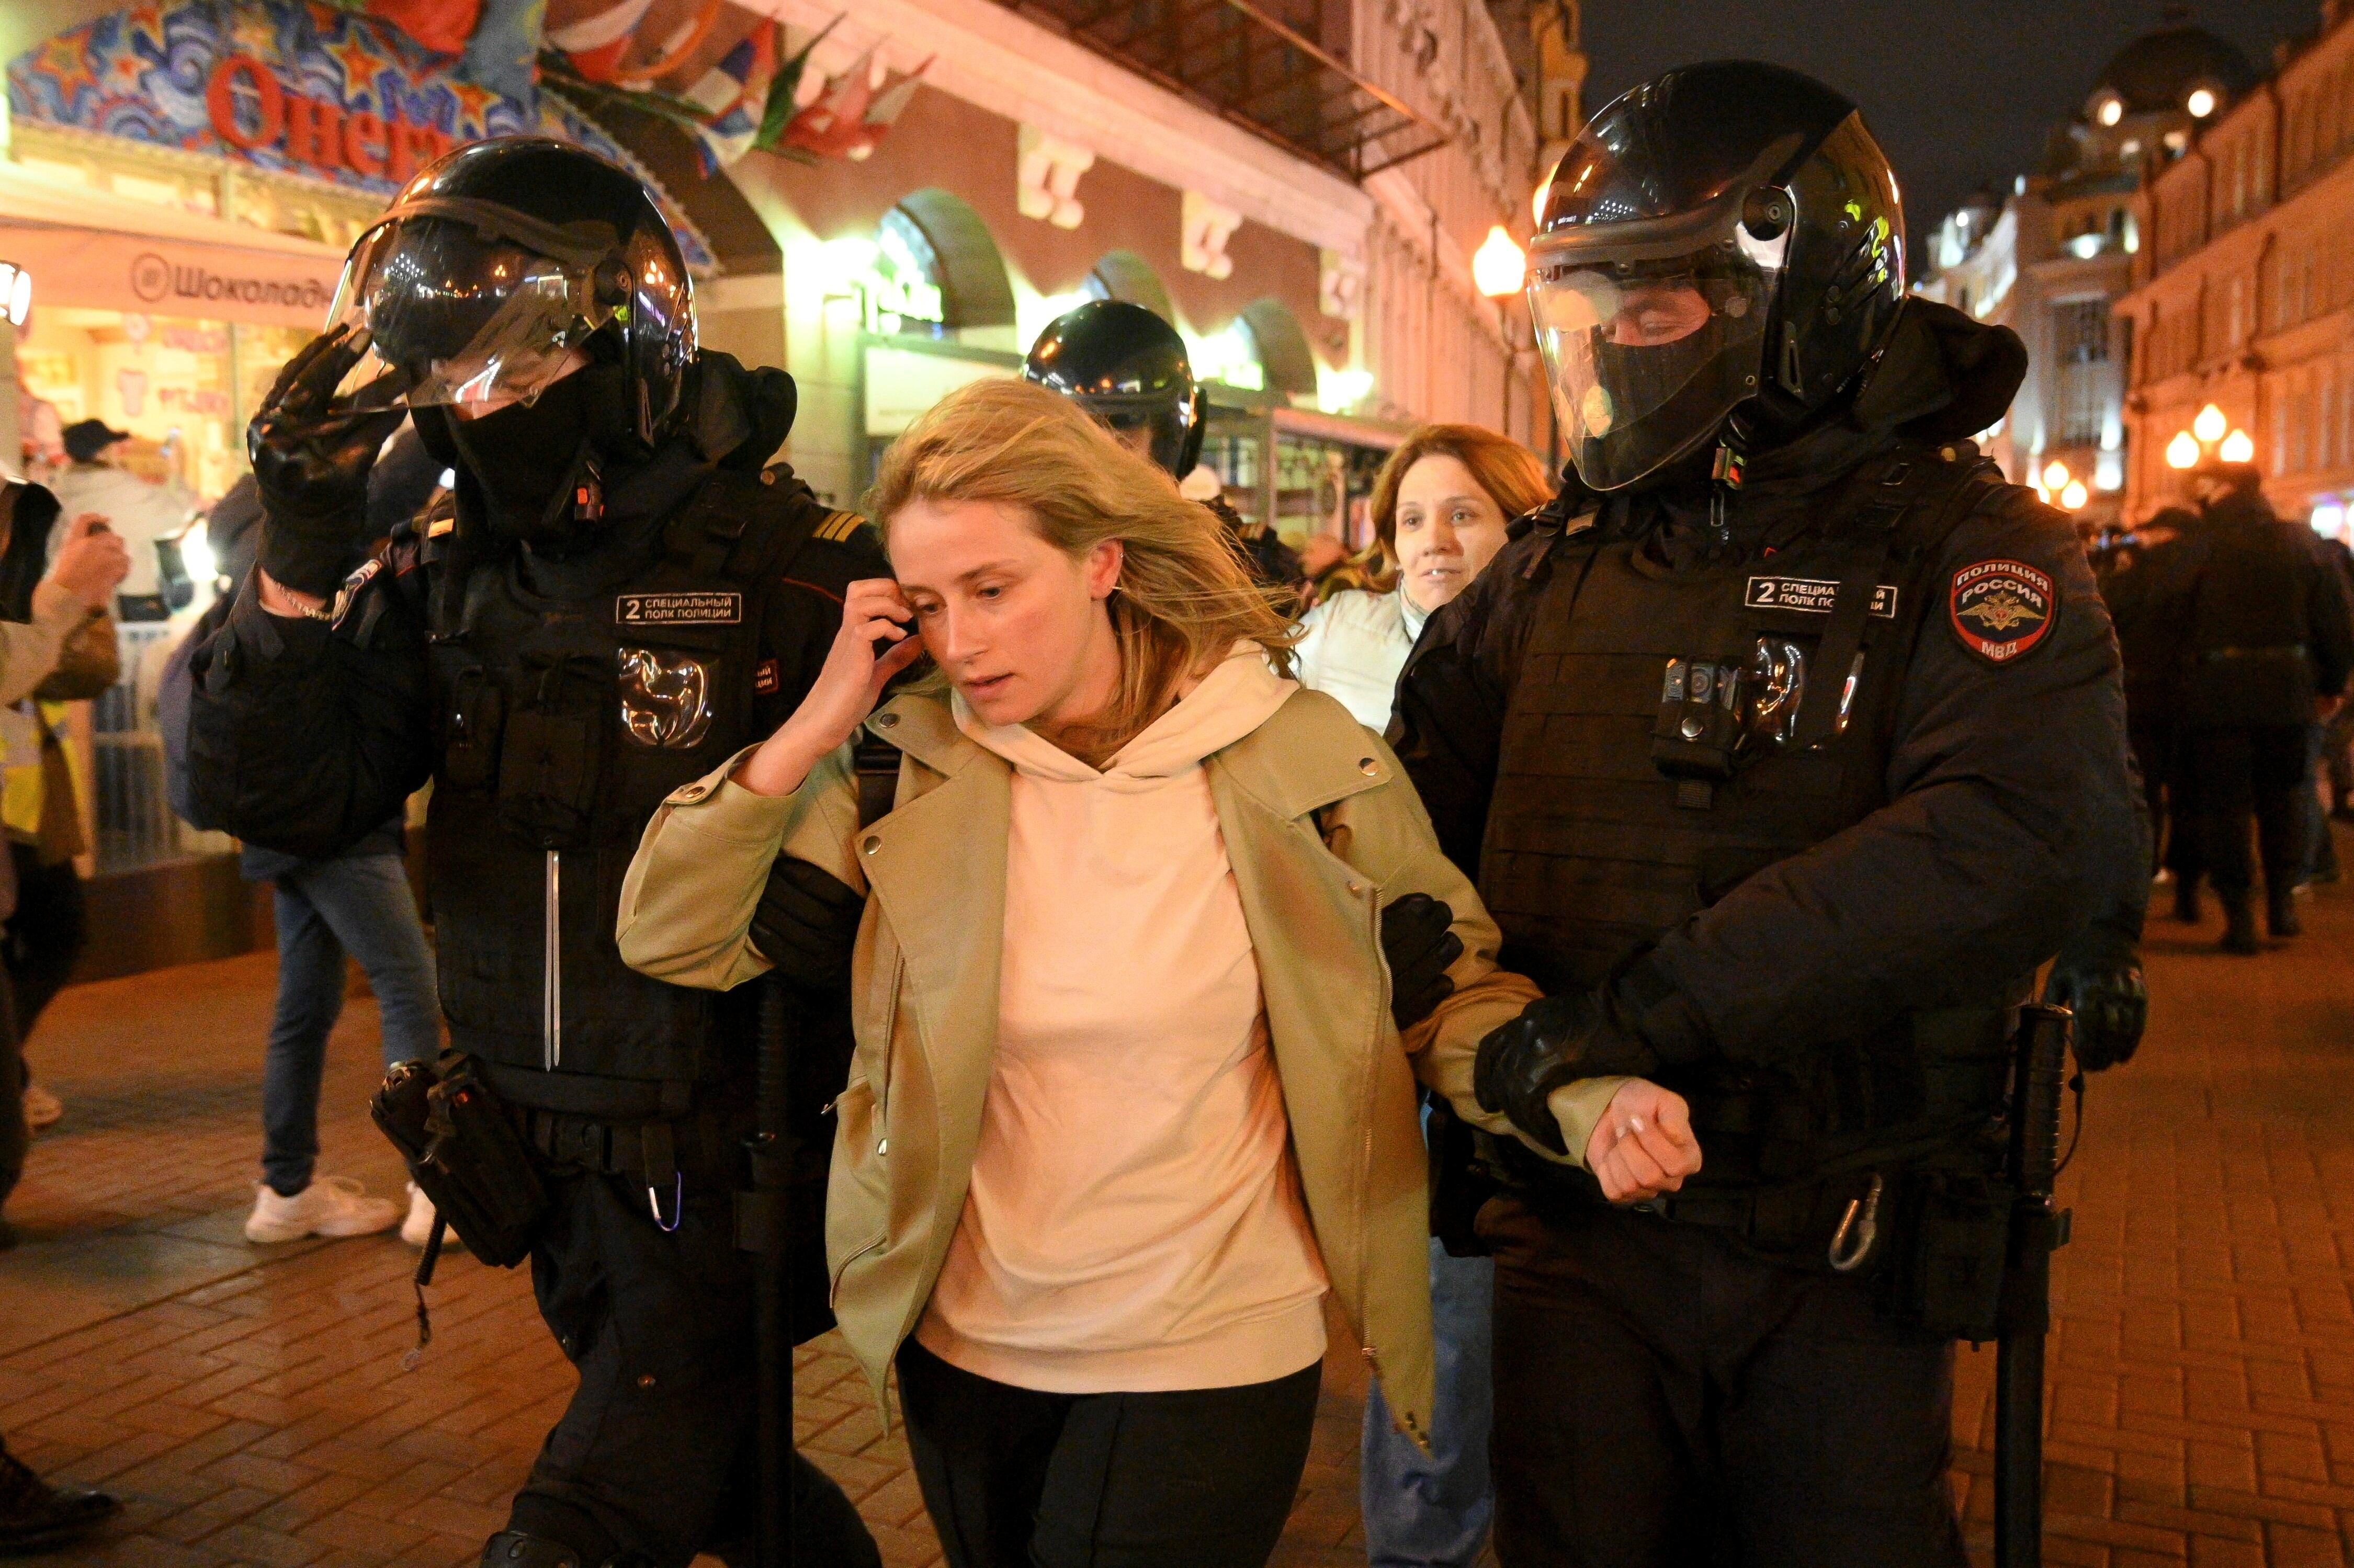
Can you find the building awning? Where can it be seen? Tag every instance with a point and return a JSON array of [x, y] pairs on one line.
[[96, 249]]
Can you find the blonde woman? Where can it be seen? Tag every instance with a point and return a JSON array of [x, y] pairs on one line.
[[1130, 1095], [1440, 505]]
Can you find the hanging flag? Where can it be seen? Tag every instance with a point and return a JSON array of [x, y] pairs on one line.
[[784, 88], [727, 92], [441, 26], [596, 44], [850, 119], [503, 53]]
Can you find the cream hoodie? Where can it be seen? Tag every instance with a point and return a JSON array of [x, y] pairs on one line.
[[1134, 1221]]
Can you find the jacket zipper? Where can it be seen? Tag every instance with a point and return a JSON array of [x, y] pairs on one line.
[[551, 995]]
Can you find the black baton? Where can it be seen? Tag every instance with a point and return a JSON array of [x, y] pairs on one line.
[[760, 1230], [2039, 1072]]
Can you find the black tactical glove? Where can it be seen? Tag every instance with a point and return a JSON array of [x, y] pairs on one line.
[[311, 462], [1418, 940], [806, 923], [2098, 977], [1555, 1040]]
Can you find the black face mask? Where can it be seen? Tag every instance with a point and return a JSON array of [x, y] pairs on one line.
[[532, 461]]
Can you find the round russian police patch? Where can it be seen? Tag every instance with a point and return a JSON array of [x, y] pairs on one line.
[[2001, 609]]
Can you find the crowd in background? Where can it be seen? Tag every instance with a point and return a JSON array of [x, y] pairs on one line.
[[2235, 632]]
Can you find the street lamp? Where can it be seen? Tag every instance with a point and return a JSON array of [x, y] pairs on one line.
[[2208, 426], [2237, 447], [1498, 267], [2055, 477], [2182, 451], [2073, 497]]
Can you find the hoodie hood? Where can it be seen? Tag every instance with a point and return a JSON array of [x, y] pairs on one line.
[[1230, 702], [1945, 375]]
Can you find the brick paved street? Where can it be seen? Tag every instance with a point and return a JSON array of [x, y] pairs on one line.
[[249, 1404]]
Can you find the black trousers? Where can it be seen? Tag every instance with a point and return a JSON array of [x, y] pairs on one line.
[[2158, 751], [47, 933], [1015, 1478], [1667, 1400], [2243, 770], [655, 1453]]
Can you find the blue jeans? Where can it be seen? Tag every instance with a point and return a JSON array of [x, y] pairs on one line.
[[1432, 1511], [360, 903]]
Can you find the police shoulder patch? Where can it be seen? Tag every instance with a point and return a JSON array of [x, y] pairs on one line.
[[2000, 609]]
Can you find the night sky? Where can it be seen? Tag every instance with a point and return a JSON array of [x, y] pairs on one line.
[[1959, 92]]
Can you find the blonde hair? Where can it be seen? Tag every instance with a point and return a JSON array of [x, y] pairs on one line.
[[1506, 470], [1185, 594]]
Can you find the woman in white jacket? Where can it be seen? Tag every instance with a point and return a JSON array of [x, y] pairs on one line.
[[1440, 507]]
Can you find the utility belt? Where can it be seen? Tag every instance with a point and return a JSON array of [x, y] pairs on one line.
[[666, 1156], [1926, 1222], [2284, 652]]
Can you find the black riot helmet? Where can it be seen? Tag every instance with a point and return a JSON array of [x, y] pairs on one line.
[[1127, 368], [492, 266], [1724, 237]]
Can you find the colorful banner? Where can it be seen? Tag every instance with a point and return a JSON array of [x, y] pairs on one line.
[[291, 88]]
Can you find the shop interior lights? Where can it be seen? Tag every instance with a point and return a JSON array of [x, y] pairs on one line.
[[15, 293]]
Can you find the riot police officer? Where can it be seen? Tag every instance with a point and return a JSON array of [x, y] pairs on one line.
[[1786, 741], [1128, 368], [617, 597]]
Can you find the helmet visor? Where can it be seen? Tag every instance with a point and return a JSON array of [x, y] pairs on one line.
[[1647, 355], [455, 317]]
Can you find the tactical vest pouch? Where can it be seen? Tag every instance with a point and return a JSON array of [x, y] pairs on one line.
[[470, 746], [1700, 719], [1945, 1277], [553, 754], [465, 1152]]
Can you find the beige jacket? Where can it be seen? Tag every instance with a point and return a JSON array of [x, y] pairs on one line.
[[1322, 830]]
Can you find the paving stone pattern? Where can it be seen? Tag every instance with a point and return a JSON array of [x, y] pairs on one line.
[[250, 1407]]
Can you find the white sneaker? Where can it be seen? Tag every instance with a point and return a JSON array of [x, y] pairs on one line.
[[330, 1206], [417, 1228], [42, 1108]]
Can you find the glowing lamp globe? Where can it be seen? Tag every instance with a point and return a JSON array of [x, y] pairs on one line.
[[2210, 425], [1498, 267], [2074, 498], [2182, 451], [2055, 476], [2237, 447]]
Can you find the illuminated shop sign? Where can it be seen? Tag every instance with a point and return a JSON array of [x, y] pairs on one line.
[[289, 88]]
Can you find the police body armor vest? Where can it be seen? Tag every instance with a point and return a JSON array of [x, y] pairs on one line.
[[1672, 733], [562, 725]]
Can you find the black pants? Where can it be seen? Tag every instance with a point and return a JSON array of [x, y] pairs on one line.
[[47, 933], [2243, 770], [654, 1454], [1015, 1478], [2157, 746], [1666, 1400]]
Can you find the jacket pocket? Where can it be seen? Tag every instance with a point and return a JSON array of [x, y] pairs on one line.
[[858, 1196]]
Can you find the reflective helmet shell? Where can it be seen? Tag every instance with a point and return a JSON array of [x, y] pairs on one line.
[[1127, 368], [460, 220], [1753, 157]]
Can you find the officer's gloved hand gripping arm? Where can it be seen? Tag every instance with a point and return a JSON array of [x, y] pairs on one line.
[[303, 737]]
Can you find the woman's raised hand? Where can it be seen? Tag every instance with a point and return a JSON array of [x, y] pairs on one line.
[[876, 643]]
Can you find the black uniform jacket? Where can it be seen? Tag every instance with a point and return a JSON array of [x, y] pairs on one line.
[[304, 736], [2010, 823], [2264, 628]]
